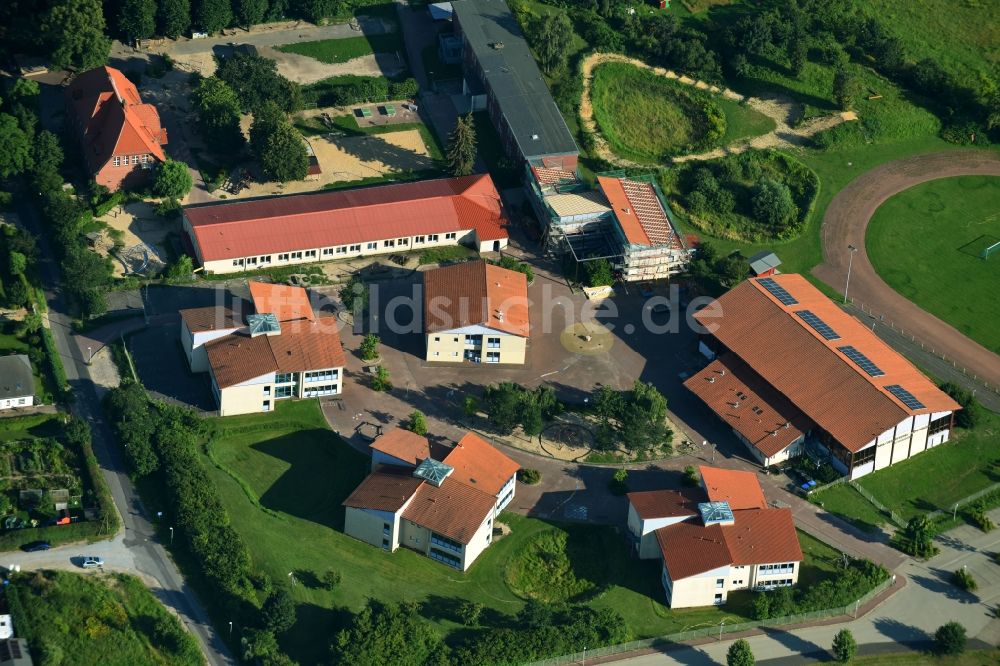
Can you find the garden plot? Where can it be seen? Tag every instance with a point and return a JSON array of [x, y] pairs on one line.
[[40, 483]]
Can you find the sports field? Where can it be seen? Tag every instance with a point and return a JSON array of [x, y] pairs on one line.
[[925, 243]]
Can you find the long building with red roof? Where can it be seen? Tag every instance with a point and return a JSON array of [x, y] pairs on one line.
[[789, 370], [236, 236], [121, 136]]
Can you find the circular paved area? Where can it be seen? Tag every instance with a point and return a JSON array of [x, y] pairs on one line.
[[845, 223], [587, 337]]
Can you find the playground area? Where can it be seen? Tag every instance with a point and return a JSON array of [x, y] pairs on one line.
[[135, 238]]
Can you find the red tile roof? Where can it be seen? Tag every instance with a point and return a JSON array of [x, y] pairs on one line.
[[113, 117], [388, 488], [639, 212], [666, 503], [403, 445], [301, 346], [765, 536], [476, 293], [342, 217], [454, 509], [740, 489], [209, 318], [284, 302], [853, 407], [749, 404], [480, 465]]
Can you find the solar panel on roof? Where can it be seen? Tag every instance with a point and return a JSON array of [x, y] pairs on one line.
[[777, 291], [861, 361], [818, 324], [904, 396]]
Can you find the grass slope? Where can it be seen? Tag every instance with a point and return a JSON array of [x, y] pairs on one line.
[[32, 426], [282, 478], [847, 503], [349, 48], [923, 242], [937, 478], [110, 620]]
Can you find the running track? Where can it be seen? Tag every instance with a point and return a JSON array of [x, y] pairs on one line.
[[845, 223]]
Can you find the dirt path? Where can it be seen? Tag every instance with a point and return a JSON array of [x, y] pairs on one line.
[[845, 223], [779, 108]]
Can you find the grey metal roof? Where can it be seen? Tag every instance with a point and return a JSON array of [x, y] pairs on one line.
[[16, 380], [514, 78], [764, 261]]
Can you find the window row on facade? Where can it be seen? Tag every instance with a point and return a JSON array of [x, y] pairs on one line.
[[373, 246]]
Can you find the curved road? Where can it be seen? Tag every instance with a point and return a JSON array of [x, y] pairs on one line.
[[845, 223]]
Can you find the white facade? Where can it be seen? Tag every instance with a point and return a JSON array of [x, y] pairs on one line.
[[260, 393], [475, 344], [17, 402], [911, 436], [311, 255], [643, 532], [713, 587], [194, 345]]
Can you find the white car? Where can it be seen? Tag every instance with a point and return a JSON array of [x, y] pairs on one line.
[[92, 562]]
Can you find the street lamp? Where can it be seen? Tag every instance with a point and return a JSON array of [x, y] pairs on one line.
[[230, 628], [171, 535], [90, 356], [722, 626], [850, 262], [584, 663]]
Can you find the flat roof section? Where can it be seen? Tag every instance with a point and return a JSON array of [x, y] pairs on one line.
[[496, 39]]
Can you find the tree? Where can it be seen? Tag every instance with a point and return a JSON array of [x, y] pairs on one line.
[[15, 147], [418, 422], [172, 179], [599, 273], [381, 381], [369, 347], [24, 89], [354, 295], [32, 323], [470, 613], [383, 633], [462, 147], [74, 33], [772, 204], [278, 611], [691, 478], [470, 405], [17, 263], [552, 36], [136, 20], [642, 419], [761, 606], [213, 15], [503, 405], [218, 110], [250, 12], [174, 17], [180, 269], [47, 157], [950, 638], [256, 80], [740, 654], [917, 536], [964, 580], [846, 88], [844, 646], [331, 579], [17, 294], [279, 149], [971, 412]]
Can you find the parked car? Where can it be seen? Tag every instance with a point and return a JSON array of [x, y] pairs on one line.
[[91, 562], [35, 546]]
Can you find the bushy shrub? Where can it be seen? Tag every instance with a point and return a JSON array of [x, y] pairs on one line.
[[529, 476]]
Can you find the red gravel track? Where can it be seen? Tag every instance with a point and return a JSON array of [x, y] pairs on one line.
[[845, 223]]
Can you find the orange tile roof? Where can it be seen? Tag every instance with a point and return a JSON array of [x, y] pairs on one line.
[[639, 212], [403, 445], [853, 407], [666, 503], [301, 346], [325, 219], [209, 318], [476, 293], [480, 465], [748, 404], [454, 509], [760, 536], [740, 489], [388, 488], [113, 117], [284, 302], [553, 176]]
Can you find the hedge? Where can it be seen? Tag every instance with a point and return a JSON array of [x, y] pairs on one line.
[[55, 366]]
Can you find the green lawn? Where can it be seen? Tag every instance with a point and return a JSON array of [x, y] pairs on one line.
[[112, 620], [349, 48], [925, 243], [937, 478], [282, 477], [646, 117], [32, 426], [742, 122], [847, 503]]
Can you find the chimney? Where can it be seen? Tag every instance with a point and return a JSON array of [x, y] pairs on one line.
[[722, 372], [711, 380], [787, 425]]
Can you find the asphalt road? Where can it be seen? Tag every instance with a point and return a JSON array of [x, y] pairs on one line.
[[139, 540]]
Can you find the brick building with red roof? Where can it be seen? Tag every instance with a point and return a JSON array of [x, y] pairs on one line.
[[234, 236], [790, 370], [121, 137], [443, 508], [714, 539]]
